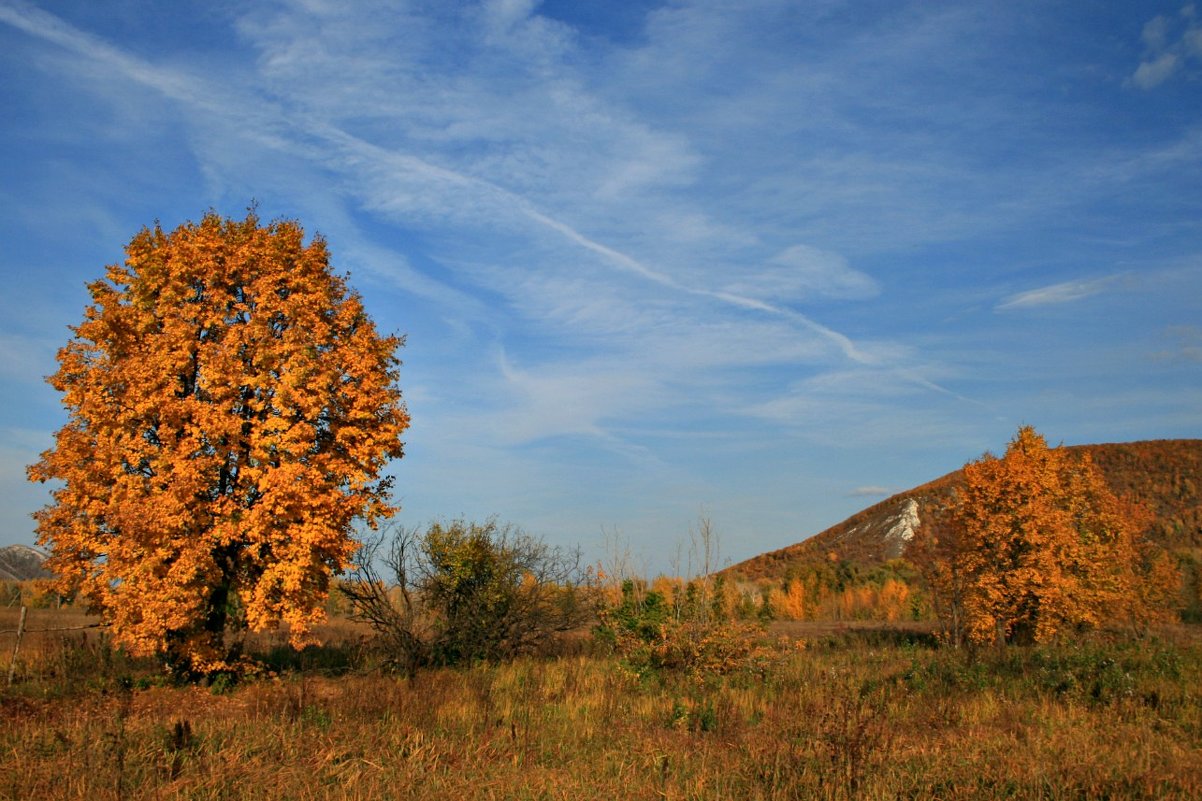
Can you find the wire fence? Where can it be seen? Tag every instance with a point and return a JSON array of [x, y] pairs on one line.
[[21, 631]]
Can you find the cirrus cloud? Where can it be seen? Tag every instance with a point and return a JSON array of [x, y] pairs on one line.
[[802, 272], [1055, 294]]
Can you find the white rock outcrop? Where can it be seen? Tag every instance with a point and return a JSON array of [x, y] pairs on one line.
[[901, 528]]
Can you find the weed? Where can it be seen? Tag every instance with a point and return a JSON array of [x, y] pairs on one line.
[[854, 734]]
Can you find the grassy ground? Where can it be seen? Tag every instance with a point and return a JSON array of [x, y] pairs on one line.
[[855, 714]]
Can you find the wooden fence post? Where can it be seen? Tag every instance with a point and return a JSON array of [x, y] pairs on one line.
[[12, 666]]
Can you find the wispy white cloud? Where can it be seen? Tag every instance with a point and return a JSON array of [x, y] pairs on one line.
[[581, 399], [870, 491], [42, 24], [865, 403], [802, 272], [1056, 294], [1187, 344], [1155, 35], [1170, 45], [1150, 74]]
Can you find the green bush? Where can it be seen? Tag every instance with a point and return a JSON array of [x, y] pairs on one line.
[[462, 592], [649, 638]]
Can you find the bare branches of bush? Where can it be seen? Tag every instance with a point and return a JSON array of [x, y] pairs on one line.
[[463, 591]]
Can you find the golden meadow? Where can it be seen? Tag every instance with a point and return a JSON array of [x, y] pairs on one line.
[[871, 710]]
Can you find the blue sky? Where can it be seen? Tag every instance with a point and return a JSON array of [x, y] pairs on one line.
[[763, 261]]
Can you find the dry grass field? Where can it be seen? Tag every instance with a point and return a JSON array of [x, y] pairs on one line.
[[855, 713]]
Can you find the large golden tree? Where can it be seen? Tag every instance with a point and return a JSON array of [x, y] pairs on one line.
[[231, 409], [1034, 543]]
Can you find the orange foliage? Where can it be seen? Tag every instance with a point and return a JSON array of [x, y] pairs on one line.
[[789, 603], [1038, 543], [231, 407], [894, 599], [808, 599], [672, 590]]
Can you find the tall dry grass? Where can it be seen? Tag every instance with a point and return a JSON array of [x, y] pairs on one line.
[[854, 715]]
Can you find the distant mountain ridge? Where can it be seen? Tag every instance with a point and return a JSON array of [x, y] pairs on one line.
[[1164, 475], [22, 563]]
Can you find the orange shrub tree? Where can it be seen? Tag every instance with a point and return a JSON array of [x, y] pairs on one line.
[[1035, 543], [231, 407]]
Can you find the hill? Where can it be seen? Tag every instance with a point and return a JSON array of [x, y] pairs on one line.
[[1163, 475], [21, 563]]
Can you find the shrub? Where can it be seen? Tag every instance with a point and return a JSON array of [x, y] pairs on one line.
[[461, 592], [643, 631]]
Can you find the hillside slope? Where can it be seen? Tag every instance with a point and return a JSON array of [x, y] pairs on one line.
[[21, 563], [1163, 475]]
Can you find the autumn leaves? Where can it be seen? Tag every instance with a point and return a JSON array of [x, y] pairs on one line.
[[231, 408], [1034, 544]]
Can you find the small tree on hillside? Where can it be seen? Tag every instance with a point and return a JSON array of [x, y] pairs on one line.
[[231, 408], [1034, 543]]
